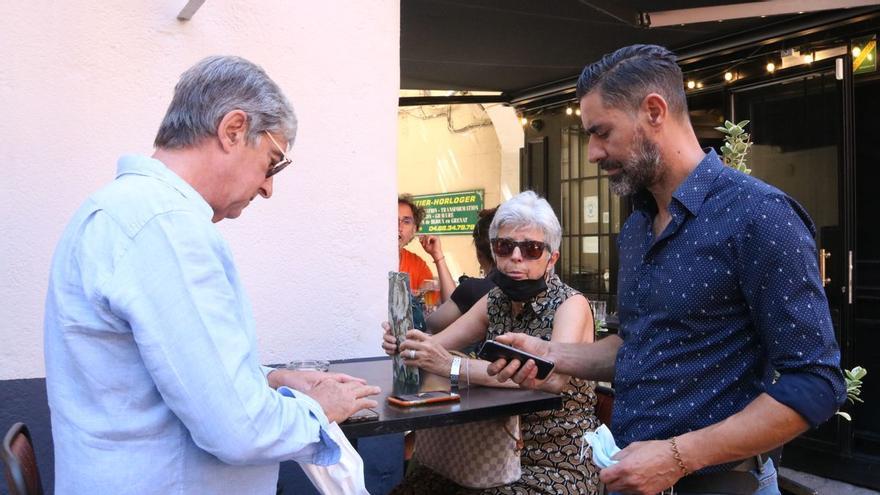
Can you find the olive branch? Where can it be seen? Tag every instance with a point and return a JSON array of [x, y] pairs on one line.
[[736, 145], [853, 380]]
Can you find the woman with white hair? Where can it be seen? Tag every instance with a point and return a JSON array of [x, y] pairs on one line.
[[529, 297]]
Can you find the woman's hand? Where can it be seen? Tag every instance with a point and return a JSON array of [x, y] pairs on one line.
[[420, 349], [389, 342]]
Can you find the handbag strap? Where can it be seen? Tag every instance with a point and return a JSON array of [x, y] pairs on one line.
[[517, 441]]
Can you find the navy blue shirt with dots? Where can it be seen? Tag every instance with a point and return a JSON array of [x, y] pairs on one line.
[[727, 293]]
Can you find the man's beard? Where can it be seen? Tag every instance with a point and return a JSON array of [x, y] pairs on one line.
[[639, 171]]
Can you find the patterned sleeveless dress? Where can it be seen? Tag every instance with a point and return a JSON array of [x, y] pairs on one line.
[[551, 439]]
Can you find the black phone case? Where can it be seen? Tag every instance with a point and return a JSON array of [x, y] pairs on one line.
[[362, 416], [492, 351]]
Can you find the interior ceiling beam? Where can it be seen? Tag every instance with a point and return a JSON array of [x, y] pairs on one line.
[[414, 101], [743, 10], [615, 11]]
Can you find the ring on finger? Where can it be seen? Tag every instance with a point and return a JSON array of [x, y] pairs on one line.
[[412, 353]]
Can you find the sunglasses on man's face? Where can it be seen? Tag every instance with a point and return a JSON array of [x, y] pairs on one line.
[[530, 250], [281, 164]]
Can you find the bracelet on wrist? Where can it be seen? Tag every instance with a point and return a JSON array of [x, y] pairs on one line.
[[454, 372], [677, 455]]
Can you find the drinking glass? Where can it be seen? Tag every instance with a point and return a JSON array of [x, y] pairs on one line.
[[599, 308], [309, 365], [430, 293]]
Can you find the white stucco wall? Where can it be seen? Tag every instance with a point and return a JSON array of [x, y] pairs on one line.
[[84, 82]]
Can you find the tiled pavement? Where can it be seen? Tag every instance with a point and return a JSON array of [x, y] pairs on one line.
[[825, 486]]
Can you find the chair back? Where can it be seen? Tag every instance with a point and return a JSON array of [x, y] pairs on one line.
[[20, 462], [604, 404]]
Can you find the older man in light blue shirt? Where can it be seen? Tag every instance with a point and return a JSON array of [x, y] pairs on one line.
[[153, 377]]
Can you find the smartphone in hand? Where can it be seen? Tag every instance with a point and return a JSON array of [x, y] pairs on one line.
[[423, 398], [492, 351]]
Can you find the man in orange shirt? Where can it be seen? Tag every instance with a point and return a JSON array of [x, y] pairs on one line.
[[409, 219]]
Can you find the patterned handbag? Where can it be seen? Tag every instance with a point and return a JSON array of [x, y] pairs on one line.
[[481, 454]]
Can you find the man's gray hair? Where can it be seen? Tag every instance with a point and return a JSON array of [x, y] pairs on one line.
[[216, 86], [526, 210]]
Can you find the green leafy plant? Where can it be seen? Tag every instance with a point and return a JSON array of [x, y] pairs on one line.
[[853, 379], [736, 145]]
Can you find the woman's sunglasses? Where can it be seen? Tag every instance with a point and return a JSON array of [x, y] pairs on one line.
[[530, 250]]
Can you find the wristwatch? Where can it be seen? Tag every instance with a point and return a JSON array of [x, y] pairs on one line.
[[453, 373]]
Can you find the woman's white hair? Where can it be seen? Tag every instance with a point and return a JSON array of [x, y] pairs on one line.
[[527, 210]]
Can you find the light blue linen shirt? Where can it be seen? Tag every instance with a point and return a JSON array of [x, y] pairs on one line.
[[152, 372]]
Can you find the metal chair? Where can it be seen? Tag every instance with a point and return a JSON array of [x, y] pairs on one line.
[[20, 462]]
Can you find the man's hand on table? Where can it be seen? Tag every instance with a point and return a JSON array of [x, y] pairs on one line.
[[340, 400], [522, 374], [306, 380], [339, 395], [643, 468]]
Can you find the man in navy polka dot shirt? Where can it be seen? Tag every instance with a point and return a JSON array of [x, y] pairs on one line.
[[718, 288]]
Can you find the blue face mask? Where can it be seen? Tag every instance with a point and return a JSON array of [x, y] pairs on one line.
[[518, 290]]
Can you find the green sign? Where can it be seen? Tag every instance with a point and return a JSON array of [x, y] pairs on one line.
[[864, 54], [453, 213]]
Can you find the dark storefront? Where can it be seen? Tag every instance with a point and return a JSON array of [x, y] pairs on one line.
[[814, 125]]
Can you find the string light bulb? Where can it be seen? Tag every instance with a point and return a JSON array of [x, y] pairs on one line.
[[728, 76], [568, 111], [771, 67], [524, 121], [808, 58], [692, 84], [577, 112], [699, 85], [856, 51]]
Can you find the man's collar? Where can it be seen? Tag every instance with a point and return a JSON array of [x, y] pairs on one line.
[[151, 167], [693, 191]]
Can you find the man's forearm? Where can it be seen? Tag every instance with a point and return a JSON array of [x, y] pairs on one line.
[[762, 426], [591, 361]]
